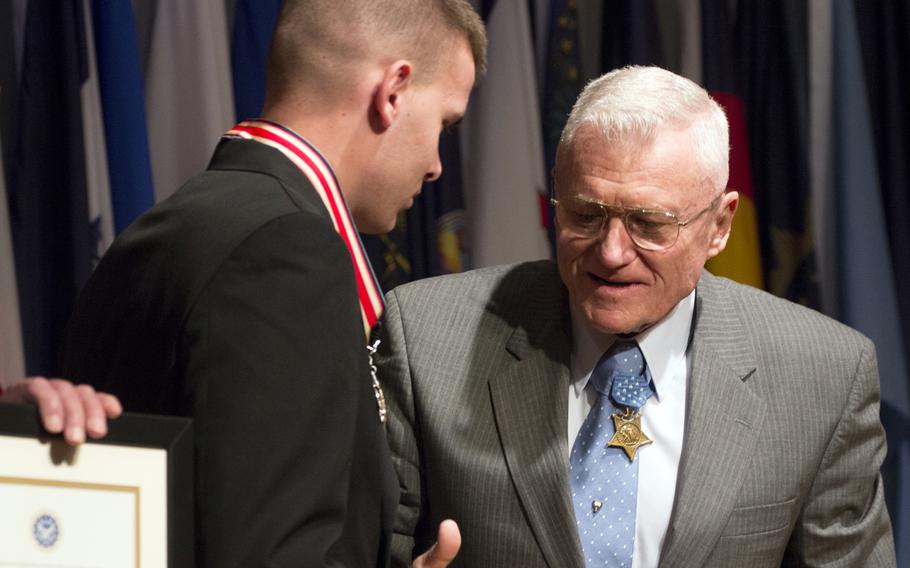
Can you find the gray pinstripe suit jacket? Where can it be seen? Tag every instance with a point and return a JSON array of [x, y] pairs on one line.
[[782, 447]]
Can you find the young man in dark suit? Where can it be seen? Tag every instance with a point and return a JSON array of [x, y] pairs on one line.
[[245, 300]]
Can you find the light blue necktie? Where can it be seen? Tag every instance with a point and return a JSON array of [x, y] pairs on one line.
[[604, 480]]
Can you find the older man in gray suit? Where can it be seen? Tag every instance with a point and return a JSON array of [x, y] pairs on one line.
[[623, 407]]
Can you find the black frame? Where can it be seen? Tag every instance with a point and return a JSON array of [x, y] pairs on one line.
[[172, 434]]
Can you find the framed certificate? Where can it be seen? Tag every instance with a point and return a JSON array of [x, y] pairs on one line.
[[124, 501]]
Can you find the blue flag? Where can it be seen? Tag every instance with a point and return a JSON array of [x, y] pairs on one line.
[[562, 84], [8, 80], [48, 210], [254, 22], [123, 107], [868, 299], [772, 60], [631, 34], [885, 45]]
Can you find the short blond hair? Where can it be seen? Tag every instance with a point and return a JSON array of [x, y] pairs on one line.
[[323, 42]]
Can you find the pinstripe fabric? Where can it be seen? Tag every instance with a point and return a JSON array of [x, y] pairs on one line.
[[782, 444], [478, 398]]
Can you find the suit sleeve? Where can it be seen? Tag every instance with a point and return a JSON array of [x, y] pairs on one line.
[[844, 521], [402, 431], [274, 352]]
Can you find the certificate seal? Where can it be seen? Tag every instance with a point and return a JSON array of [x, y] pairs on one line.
[[46, 531]]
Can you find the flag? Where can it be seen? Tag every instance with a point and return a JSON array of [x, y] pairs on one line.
[[120, 80], [631, 35], [772, 61], [12, 365], [389, 254], [868, 297], [445, 214], [48, 209], [590, 20], [97, 183], [562, 83], [188, 96], [8, 78], [679, 27], [820, 150], [690, 44], [741, 260], [502, 150], [885, 44], [254, 22], [539, 11]]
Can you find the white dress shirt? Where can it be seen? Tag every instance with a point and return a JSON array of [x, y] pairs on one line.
[[663, 417]]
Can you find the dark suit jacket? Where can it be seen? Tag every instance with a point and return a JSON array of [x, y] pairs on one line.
[[234, 303], [781, 452]]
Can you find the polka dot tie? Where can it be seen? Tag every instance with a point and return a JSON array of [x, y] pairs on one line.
[[604, 481]]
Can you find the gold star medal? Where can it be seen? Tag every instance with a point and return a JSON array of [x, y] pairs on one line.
[[628, 434]]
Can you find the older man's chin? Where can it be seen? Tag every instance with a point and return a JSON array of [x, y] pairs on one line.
[[612, 322]]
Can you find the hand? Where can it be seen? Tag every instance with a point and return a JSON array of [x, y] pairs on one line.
[[64, 407], [448, 541]]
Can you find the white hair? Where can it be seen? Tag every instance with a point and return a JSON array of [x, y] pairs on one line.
[[635, 104]]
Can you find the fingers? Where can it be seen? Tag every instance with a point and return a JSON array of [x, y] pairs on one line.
[[448, 541], [110, 404], [40, 392], [73, 410], [98, 407], [94, 414], [74, 413]]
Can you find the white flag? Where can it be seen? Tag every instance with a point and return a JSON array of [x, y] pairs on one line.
[[502, 158], [188, 87], [97, 181], [690, 40]]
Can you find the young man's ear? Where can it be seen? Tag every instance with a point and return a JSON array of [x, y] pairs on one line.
[[387, 99]]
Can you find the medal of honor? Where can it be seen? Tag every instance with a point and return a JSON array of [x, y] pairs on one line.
[[628, 434]]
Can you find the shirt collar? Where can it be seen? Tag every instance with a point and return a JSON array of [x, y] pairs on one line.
[[662, 345]]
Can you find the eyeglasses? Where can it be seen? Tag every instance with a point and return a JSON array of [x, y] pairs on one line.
[[649, 229]]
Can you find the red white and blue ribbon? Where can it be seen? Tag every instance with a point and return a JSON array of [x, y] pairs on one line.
[[317, 170]]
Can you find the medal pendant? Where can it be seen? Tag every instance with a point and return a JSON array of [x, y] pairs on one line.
[[628, 434], [377, 389]]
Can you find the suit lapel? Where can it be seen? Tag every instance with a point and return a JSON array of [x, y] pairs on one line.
[[723, 424], [249, 155], [530, 401]]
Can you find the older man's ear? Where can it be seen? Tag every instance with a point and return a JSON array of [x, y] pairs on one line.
[[723, 223]]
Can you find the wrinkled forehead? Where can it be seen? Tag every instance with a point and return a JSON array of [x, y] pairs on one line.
[[666, 160], [590, 157], [590, 146]]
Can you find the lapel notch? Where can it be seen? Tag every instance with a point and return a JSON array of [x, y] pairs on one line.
[[530, 404]]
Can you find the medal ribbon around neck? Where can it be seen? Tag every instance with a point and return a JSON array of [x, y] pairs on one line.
[[630, 393], [311, 163]]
